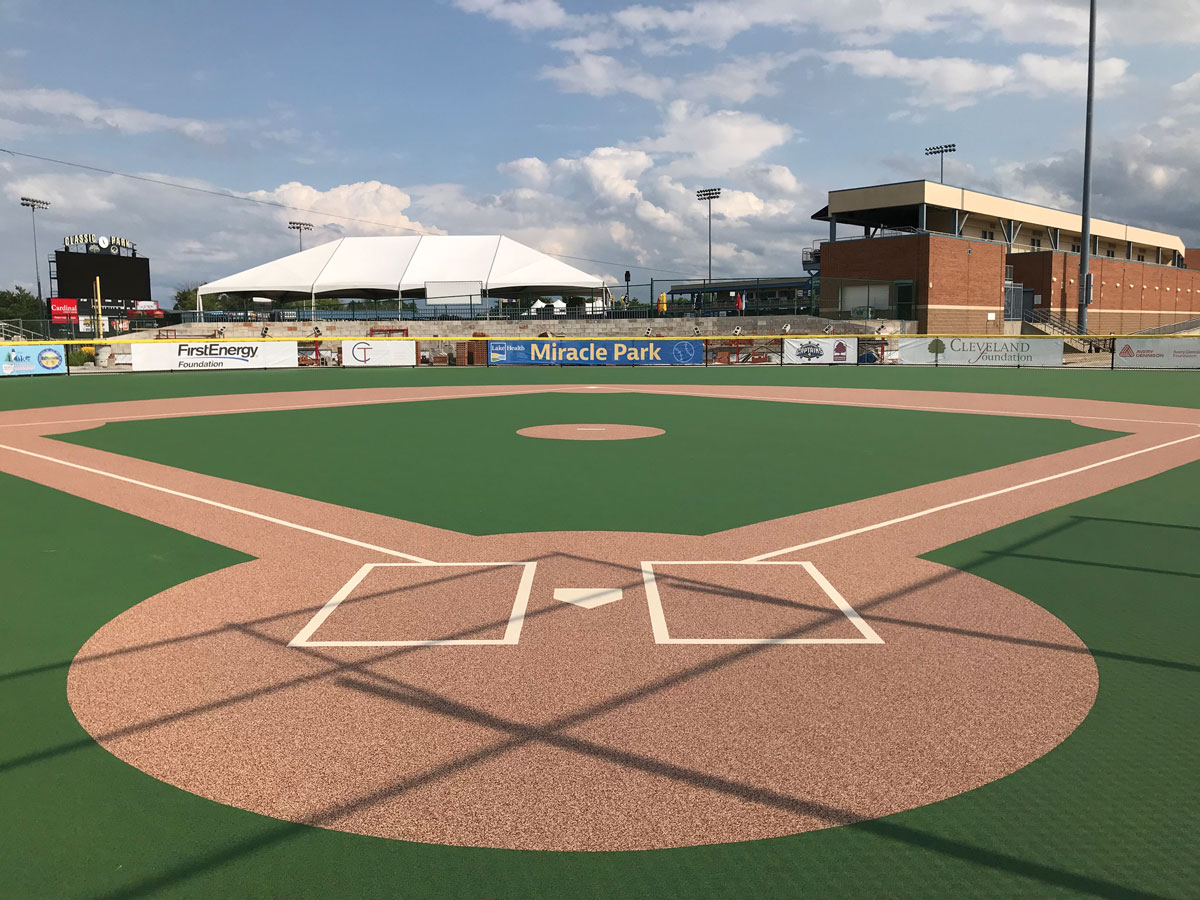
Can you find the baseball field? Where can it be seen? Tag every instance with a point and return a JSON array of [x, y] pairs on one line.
[[518, 633]]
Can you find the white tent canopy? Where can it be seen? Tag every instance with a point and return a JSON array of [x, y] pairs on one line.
[[365, 267]]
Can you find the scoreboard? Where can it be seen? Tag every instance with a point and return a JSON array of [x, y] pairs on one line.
[[121, 277]]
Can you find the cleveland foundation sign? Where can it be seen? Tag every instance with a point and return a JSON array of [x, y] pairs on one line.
[[1009, 350]]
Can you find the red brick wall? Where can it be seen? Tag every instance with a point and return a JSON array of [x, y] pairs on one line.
[[965, 283], [958, 282], [1127, 296]]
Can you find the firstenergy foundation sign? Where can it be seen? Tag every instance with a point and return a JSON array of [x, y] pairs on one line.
[[207, 356], [999, 351], [1157, 353]]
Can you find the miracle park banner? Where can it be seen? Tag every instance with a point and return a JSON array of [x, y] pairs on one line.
[[635, 352], [1008, 350]]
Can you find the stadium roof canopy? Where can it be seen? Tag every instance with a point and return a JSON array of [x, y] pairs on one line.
[[387, 267]]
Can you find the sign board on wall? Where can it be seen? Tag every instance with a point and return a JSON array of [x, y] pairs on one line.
[[164, 356], [1157, 353], [1011, 350], [647, 352], [33, 359], [379, 353], [820, 351]]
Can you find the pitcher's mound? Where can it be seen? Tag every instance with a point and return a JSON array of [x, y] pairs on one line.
[[590, 432]]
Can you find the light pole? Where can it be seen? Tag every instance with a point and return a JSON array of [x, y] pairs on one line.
[[34, 205], [709, 194], [300, 228], [1085, 245], [940, 151]]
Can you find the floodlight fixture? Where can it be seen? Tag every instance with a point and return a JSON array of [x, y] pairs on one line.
[[940, 151], [300, 228], [34, 205], [709, 195]]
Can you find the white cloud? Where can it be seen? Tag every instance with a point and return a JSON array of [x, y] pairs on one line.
[[739, 80], [526, 15], [714, 23], [710, 144], [601, 76], [954, 82], [67, 108]]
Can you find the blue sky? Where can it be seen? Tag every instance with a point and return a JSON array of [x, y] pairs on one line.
[[579, 128]]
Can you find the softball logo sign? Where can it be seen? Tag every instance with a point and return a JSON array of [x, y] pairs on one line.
[[820, 351]]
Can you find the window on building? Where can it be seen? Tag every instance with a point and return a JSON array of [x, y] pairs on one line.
[[1075, 248], [1111, 253], [1141, 257], [1035, 243], [987, 235]]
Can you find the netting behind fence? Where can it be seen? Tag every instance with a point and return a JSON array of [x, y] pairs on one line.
[[215, 353]]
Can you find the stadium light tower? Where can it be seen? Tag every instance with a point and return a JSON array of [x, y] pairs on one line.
[[1085, 243], [940, 151], [34, 205], [709, 194], [300, 228]]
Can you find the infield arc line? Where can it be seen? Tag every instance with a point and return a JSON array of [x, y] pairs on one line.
[[658, 619], [219, 505], [955, 503], [512, 630]]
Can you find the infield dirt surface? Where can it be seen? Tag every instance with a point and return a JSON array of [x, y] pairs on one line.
[[578, 728]]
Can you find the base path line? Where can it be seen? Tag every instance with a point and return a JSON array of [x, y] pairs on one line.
[[286, 408], [225, 506], [880, 405], [944, 506]]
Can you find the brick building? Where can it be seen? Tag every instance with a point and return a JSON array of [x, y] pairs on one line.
[[960, 261]]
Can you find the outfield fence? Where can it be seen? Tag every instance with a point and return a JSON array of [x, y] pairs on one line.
[[179, 354]]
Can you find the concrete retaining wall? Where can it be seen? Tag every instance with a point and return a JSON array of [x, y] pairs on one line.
[[604, 328]]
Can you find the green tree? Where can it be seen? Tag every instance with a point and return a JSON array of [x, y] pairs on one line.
[[937, 348], [185, 296], [20, 304]]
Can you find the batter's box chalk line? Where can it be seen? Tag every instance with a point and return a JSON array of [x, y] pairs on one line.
[[512, 631], [658, 619]]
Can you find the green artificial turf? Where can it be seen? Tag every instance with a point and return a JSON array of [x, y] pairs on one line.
[[1168, 388], [459, 464], [1112, 812]]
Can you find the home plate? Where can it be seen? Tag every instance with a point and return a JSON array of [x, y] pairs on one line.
[[588, 598]]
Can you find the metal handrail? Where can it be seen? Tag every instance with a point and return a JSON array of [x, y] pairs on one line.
[[1174, 327]]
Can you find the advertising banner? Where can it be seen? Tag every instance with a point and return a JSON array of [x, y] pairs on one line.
[[632, 352], [33, 359], [1157, 353], [1007, 350], [379, 353], [64, 310], [820, 351], [164, 356]]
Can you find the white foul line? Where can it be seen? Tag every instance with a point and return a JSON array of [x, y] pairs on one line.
[[184, 414], [218, 505], [934, 509]]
